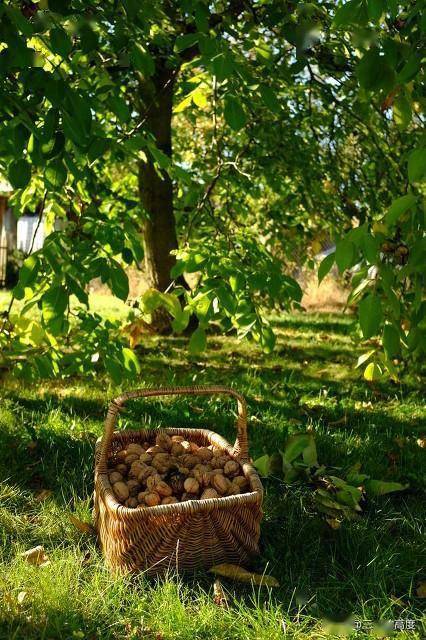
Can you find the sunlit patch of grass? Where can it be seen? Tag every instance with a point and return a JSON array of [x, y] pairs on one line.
[[368, 568]]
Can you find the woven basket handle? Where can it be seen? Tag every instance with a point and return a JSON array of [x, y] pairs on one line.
[[241, 442]]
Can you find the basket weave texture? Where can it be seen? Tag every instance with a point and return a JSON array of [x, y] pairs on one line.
[[185, 535]]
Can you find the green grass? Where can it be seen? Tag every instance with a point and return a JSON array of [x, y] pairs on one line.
[[368, 568]]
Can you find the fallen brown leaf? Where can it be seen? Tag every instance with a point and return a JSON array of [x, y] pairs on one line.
[[84, 527], [421, 589], [334, 523], [36, 556], [235, 572], [219, 597]]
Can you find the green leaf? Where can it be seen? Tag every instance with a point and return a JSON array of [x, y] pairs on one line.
[[370, 315], [295, 446], [142, 60], [263, 465], [54, 303], [60, 42], [119, 281], [131, 362], [372, 372], [234, 113], [391, 340], [373, 72], [375, 9], [347, 14], [55, 175], [417, 165], [325, 266], [398, 207], [270, 99], [309, 453], [381, 488], [345, 254], [19, 174], [180, 322], [186, 41], [119, 106], [402, 112], [364, 358], [114, 369], [28, 271], [198, 341]]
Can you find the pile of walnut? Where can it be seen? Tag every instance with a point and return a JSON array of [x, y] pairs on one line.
[[173, 470]]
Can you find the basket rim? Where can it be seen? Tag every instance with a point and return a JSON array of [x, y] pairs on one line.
[[189, 506]]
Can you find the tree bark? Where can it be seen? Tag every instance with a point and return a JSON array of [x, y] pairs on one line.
[[155, 186]]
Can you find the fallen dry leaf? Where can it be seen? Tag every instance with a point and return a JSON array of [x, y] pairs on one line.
[[234, 572], [334, 523], [42, 495], [84, 527], [21, 597], [421, 589], [219, 597], [36, 556], [421, 442]]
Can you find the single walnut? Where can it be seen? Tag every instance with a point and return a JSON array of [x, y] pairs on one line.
[[164, 441], [121, 468], [233, 490], [141, 496], [169, 500], [121, 491], [231, 468], [152, 499], [135, 468], [220, 483], [114, 477], [121, 455], [189, 460], [161, 462], [133, 447], [177, 449], [209, 493], [155, 449], [191, 485], [219, 461], [152, 481], [131, 457], [193, 447], [178, 439], [186, 445], [201, 475], [176, 481], [134, 487], [216, 450], [163, 489], [131, 503], [145, 473], [241, 481], [204, 454], [146, 458], [183, 470]]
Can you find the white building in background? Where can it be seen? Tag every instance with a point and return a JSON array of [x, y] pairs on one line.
[[30, 234]]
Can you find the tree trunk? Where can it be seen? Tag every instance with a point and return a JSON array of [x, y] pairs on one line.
[[155, 186]]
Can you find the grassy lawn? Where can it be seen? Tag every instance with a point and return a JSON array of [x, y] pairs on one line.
[[368, 569]]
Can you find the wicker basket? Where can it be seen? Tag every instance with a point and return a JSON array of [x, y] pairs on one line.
[[180, 536]]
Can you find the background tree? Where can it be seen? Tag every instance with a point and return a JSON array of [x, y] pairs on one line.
[[303, 117]]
